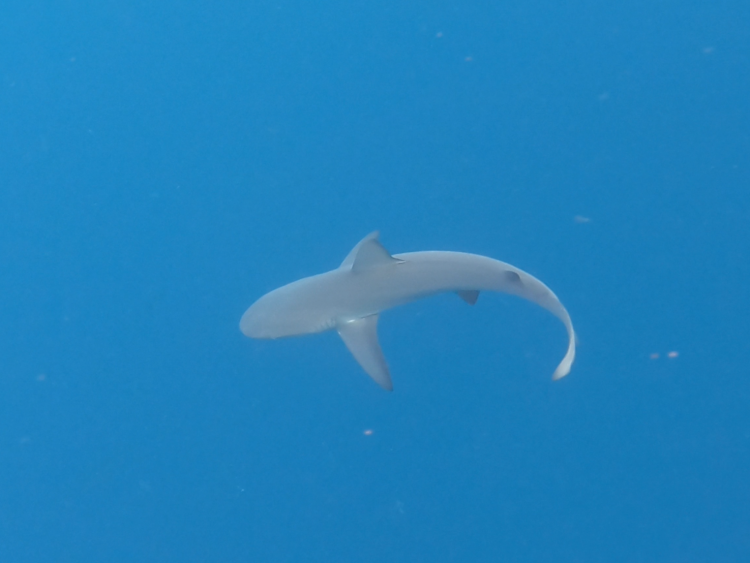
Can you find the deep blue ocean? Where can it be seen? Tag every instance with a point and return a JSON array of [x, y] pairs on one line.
[[164, 164]]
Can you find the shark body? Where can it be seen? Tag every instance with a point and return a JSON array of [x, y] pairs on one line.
[[350, 298]]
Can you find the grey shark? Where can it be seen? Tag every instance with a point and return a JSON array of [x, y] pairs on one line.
[[350, 298]]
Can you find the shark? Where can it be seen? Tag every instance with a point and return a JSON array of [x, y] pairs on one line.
[[370, 280]]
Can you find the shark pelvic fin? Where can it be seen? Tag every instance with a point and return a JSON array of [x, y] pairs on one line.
[[361, 337], [469, 295]]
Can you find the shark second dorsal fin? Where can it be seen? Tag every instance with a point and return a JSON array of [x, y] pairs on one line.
[[368, 253]]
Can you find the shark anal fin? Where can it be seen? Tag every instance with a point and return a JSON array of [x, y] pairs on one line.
[[361, 337], [469, 295]]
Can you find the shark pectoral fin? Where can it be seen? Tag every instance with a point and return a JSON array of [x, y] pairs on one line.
[[361, 337], [469, 295]]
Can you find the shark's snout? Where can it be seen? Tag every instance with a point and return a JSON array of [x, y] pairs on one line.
[[253, 325], [272, 317], [246, 326]]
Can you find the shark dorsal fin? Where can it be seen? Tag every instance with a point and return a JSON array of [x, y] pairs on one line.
[[368, 253]]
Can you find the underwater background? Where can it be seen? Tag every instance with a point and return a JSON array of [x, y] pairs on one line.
[[164, 164]]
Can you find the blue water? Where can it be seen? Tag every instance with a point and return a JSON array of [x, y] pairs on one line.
[[163, 164]]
